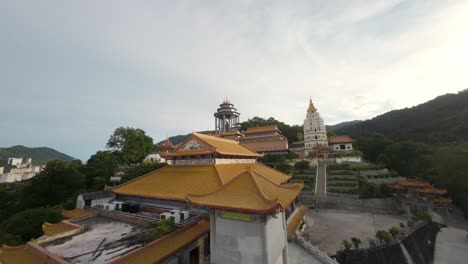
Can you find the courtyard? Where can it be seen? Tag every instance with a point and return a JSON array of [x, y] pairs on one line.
[[327, 228]]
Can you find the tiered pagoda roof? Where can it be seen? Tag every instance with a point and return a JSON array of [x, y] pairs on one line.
[[248, 192]]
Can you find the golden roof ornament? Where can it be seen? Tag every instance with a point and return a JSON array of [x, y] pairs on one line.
[[311, 108]]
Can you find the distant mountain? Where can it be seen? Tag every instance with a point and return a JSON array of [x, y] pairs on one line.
[[443, 119], [40, 156], [342, 125]]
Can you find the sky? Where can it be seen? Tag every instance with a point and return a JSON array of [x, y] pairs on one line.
[[71, 72]]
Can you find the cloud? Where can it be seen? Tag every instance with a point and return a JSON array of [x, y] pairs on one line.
[[76, 71]]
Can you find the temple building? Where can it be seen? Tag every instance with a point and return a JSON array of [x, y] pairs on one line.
[[340, 143], [265, 139], [225, 208], [226, 118], [315, 134]]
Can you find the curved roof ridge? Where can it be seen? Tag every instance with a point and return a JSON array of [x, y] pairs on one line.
[[219, 188], [268, 167], [219, 174], [252, 174]]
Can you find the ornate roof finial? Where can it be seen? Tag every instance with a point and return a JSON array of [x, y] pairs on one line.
[[311, 108]]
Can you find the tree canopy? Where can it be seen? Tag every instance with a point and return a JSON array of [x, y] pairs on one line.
[[131, 144]]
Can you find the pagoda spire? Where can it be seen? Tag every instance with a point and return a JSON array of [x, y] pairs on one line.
[[311, 108]]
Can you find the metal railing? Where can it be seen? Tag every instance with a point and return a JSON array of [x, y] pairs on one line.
[[314, 250], [146, 216]]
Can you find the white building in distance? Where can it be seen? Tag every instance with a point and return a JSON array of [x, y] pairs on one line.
[[22, 170], [315, 134]]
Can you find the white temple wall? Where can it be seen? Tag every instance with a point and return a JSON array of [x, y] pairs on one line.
[[234, 161], [235, 241]]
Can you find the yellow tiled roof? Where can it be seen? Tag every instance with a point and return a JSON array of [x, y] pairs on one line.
[[226, 146], [161, 249], [27, 254], [174, 183], [53, 229], [267, 128], [229, 171], [249, 192], [76, 213], [214, 145], [296, 219]]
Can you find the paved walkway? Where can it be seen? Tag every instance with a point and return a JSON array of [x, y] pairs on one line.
[[451, 246], [321, 180]]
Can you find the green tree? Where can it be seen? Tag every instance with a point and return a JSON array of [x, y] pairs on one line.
[[132, 144], [28, 224], [372, 146], [99, 168], [284, 167], [408, 158], [59, 181]]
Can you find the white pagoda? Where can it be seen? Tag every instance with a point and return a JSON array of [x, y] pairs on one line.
[[315, 134]]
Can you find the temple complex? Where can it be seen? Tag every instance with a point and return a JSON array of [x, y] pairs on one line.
[[226, 118], [225, 208], [315, 134]]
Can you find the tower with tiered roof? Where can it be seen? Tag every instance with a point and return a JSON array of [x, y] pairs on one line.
[[315, 134], [226, 118]]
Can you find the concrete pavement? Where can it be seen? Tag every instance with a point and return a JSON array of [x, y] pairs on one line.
[[321, 179]]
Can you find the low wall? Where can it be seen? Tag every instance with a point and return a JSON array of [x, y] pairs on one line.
[[417, 248], [384, 205]]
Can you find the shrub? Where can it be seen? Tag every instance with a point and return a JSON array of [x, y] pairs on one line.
[[302, 165], [395, 231], [423, 215], [383, 236], [356, 242], [346, 244]]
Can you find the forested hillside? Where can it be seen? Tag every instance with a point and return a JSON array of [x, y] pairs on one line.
[[443, 119], [40, 156]]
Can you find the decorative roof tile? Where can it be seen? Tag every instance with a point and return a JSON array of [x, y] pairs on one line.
[[248, 192], [174, 183]]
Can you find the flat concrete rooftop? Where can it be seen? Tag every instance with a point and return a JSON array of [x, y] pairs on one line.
[[102, 240]]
